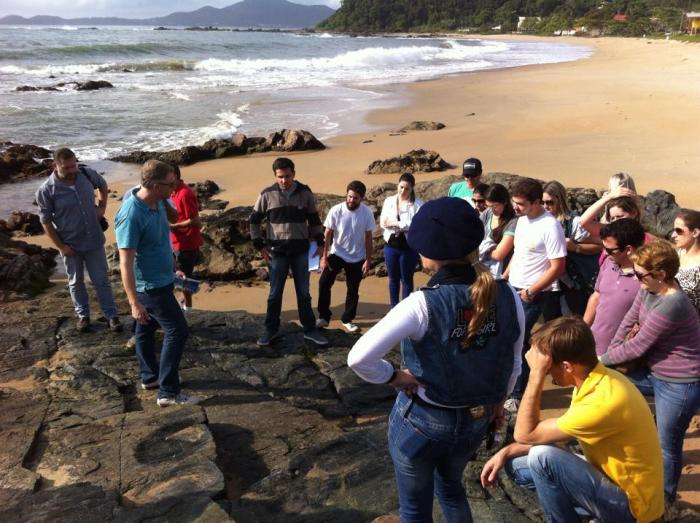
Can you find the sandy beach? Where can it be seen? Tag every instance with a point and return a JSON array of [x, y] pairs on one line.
[[631, 107]]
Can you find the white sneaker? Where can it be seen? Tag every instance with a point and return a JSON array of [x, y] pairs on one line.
[[321, 323], [351, 327], [180, 399]]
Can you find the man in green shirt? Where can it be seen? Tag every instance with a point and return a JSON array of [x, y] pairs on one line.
[[471, 171]]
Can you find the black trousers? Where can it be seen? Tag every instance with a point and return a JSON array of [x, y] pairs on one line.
[[353, 277]]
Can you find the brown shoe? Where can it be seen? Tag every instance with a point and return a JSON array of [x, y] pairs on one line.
[[115, 325], [83, 325]]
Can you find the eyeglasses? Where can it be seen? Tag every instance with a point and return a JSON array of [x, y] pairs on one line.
[[640, 276], [547, 203], [678, 231], [612, 250]]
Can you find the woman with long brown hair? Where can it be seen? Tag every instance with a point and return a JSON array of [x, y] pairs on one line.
[[686, 236], [461, 338], [499, 220], [576, 284]]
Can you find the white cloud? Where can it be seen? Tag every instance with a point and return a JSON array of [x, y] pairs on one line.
[[122, 8]]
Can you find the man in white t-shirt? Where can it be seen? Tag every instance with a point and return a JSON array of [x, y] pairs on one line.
[[348, 247], [539, 258]]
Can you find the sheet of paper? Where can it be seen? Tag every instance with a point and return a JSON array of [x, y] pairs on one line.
[[314, 261]]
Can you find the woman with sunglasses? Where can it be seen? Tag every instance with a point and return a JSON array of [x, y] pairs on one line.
[[686, 236], [499, 230], [662, 327], [576, 284], [397, 213]]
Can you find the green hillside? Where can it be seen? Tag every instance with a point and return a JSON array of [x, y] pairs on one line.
[[641, 16]]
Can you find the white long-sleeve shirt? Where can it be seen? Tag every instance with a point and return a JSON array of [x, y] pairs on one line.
[[407, 210], [409, 319]]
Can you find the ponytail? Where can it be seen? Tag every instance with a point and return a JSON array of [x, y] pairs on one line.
[[483, 294]]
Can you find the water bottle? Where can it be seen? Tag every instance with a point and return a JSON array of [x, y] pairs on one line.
[[187, 284]]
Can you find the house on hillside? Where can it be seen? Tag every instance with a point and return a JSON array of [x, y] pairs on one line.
[[693, 22]]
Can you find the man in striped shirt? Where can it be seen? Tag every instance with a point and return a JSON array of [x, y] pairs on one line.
[[289, 209]]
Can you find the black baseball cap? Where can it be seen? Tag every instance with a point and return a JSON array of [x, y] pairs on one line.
[[471, 168]]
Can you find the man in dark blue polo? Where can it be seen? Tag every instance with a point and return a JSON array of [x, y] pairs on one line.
[[146, 263]]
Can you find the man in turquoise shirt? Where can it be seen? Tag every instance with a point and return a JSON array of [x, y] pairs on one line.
[[471, 171], [146, 263]]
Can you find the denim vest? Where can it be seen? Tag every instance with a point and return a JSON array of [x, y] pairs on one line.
[[477, 375]]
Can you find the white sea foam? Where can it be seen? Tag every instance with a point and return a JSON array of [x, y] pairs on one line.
[[180, 96]]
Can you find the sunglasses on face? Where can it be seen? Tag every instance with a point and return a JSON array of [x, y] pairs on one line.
[[547, 203], [641, 275], [478, 200], [612, 250], [678, 231]]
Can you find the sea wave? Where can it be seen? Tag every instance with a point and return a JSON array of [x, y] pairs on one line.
[[109, 67], [360, 59]]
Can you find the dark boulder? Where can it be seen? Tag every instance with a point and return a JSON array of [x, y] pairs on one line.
[[423, 125], [660, 210], [23, 161], [417, 160], [25, 223], [288, 140], [93, 85], [24, 268]]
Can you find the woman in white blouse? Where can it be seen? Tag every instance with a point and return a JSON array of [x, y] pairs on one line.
[[397, 213]]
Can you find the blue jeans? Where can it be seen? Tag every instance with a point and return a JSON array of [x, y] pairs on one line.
[[532, 310], [279, 268], [569, 487], [164, 310], [676, 404], [400, 266], [95, 262], [430, 448]]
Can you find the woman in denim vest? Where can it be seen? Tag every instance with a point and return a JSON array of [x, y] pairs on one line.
[[461, 340]]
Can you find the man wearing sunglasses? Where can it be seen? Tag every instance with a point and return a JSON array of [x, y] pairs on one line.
[[617, 285]]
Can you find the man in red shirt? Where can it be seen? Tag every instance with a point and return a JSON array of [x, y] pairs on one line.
[[185, 232]]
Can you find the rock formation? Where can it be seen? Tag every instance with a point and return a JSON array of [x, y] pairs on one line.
[[20, 162], [423, 125], [417, 160], [285, 140], [24, 268], [90, 85]]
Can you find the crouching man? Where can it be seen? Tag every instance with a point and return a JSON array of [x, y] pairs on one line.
[[621, 478]]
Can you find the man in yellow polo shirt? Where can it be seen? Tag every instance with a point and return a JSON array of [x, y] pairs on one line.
[[621, 478]]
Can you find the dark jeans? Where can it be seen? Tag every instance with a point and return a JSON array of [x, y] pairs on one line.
[[532, 310], [569, 487], [400, 266], [164, 310], [279, 268], [353, 277], [576, 300], [186, 260], [430, 447], [676, 404]]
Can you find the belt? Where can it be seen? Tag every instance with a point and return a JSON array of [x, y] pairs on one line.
[[476, 412]]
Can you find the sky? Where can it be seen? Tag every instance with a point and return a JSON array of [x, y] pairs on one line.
[[121, 8]]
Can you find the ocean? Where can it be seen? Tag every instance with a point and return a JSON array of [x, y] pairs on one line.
[[177, 87]]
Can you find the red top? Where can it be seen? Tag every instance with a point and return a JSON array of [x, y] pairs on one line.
[[185, 238]]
